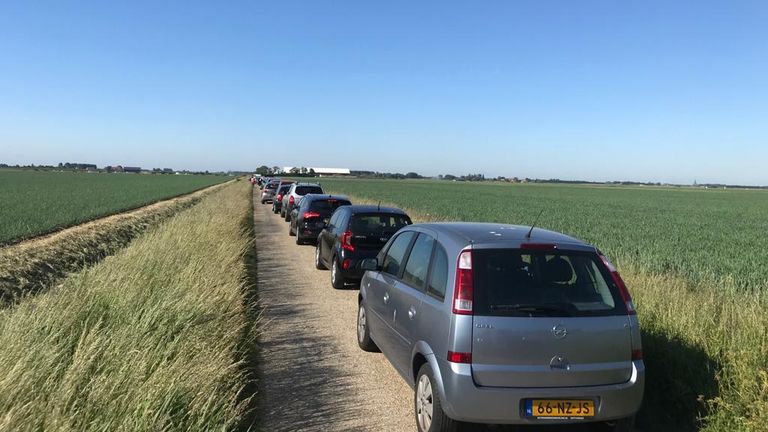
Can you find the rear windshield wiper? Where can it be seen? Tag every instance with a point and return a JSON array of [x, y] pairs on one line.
[[545, 309]]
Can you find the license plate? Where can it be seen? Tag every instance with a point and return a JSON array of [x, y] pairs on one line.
[[560, 408]]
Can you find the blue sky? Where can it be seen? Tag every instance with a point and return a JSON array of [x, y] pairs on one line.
[[596, 90]]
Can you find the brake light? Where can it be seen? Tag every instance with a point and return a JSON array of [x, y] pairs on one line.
[[457, 357], [346, 241], [291, 200], [463, 293], [637, 354], [619, 282], [279, 197], [538, 246], [310, 214], [346, 263]]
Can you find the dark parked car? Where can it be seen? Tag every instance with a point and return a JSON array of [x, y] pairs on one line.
[[354, 233], [502, 324], [312, 214], [281, 191], [297, 191]]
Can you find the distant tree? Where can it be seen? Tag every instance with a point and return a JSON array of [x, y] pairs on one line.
[[312, 172], [275, 170], [304, 170], [295, 170], [412, 175], [263, 170], [449, 177]]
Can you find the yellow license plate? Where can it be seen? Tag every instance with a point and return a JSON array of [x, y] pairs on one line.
[[567, 408]]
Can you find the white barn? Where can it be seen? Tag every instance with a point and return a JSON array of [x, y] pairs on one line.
[[322, 171]]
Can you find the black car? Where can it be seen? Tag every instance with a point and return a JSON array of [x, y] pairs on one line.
[[354, 233], [312, 214], [281, 191]]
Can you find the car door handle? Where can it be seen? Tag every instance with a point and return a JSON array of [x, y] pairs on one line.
[[386, 298], [411, 312]]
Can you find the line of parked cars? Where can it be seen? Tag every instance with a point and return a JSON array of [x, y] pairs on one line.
[[488, 323]]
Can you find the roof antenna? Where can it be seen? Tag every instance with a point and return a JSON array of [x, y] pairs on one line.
[[378, 206], [528, 236]]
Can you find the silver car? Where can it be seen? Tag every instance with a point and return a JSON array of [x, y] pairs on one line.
[[503, 324]]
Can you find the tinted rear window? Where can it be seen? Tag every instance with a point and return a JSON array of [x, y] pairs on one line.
[[283, 189], [510, 282], [303, 190], [377, 224], [327, 206]]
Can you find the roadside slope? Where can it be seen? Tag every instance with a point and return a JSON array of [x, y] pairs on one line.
[[34, 265], [149, 339]]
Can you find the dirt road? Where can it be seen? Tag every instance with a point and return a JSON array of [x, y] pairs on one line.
[[313, 375]]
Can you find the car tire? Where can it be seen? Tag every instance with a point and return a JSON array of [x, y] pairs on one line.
[[337, 280], [318, 262], [426, 398], [364, 340], [624, 425], [290, 230], [299, 239]]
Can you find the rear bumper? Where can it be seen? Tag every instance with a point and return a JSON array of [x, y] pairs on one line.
[[464, 401]]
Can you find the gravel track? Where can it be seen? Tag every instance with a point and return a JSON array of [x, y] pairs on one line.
[[313, 375]]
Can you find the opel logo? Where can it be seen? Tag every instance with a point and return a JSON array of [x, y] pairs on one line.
[[559, 362], [559, 331]]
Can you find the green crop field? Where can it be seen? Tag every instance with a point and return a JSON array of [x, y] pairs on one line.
[[35, 202], [694, 233], [693, 258]]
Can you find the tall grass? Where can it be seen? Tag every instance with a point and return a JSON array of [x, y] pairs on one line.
[[149, 339], [706, 353]]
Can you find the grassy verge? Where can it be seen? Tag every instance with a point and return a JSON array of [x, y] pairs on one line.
[[705, 347], [30, 267], [149, 339]]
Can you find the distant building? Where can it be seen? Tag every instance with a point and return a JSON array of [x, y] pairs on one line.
[[331, 171], [132, 169]]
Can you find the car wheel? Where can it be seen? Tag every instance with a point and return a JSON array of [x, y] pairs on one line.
[[428, 408], [290, 230], [624, 425], [299, 239], [337, 280], [364, 340], [318, 263]]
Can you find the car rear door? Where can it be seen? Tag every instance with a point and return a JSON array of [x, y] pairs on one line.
[[381, 286], [406, 297]]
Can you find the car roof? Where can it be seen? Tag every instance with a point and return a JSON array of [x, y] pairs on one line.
[[318, 197], [489, 234], [365, 208], [306, 184]]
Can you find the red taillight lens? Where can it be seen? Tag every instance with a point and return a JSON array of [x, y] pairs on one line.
[[291, 200], [346, 263], [346, 241], [637, 354], [308, 215], [538, 246], [457, 357], [279, 197], [619, 282], [463, 293]]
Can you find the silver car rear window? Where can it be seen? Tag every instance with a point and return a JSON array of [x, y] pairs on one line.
[[513, 282]]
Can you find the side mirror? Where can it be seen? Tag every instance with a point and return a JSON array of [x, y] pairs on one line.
[[370, 264]]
